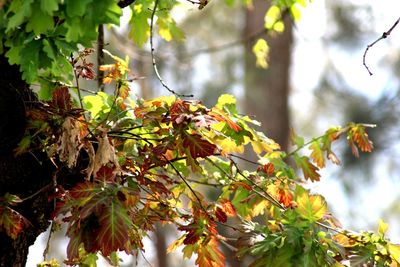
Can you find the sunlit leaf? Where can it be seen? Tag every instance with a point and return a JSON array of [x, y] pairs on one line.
[[310, 171], [317, 153], [311, 207], [261, 51], [383, 227]]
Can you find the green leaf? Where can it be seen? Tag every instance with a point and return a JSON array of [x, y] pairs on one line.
[[91, 260], [310, 171], [140, 25], [77, 7], [49, 6], [22, 10], [39, 22]]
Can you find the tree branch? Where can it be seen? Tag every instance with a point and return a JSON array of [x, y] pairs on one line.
[[384, 36]]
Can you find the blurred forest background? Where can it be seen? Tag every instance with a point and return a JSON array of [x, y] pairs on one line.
[[315, 79]]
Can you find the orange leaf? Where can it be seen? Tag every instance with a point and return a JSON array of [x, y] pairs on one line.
[[227, 207], [209, 255], [360, 137]]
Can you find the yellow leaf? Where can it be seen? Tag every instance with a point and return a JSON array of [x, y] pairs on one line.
[[259, 208], [261, 51], [272, 19], [394, 251], [261, 143], [316, 154], [383, 227], [312, 208], [228, 146], [225, 99], [177, 243]]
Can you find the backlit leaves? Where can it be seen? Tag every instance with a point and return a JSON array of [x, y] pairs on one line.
[[358, 136], [310, 171], [311, 207]]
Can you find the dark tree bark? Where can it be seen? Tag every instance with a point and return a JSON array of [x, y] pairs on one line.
[[266, 91], [23, 175]]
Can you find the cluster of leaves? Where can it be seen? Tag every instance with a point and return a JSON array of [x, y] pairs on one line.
[[149, 161]]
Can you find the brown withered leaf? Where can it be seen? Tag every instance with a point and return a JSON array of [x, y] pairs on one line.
[[105, 154], [70, 142]]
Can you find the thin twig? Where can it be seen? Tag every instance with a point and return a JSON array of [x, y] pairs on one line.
[[264, 193], [384, 36], [153, 59], [77, 86], [100, 57], [187, 184]]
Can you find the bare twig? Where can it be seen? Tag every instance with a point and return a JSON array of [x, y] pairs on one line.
[[187, 184], [384, 36], [77, 85], [100, 57], [153, 59]]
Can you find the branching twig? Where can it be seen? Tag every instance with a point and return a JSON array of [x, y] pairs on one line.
[[187, 184], [384, 36], [153, 59]]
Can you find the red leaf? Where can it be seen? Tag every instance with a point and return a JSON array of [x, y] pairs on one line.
[[61, 99], [115, 225], [198, 147], [220, 215]]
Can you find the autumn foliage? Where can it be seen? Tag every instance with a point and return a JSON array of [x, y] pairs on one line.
[[169, 160]]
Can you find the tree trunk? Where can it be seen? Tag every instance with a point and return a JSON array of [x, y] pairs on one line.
[[23, 175], [266, 91]]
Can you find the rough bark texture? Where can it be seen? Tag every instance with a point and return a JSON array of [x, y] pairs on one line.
[[266, 91], [23, 175]]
